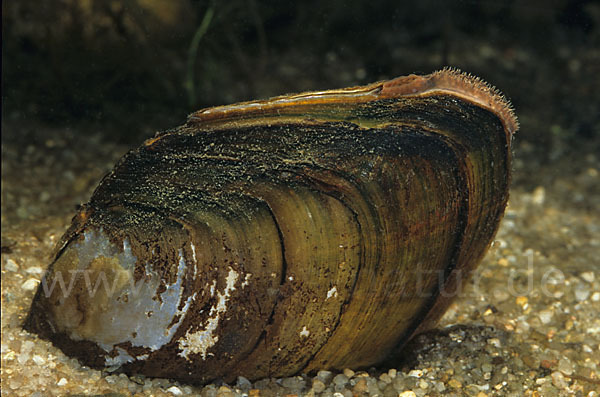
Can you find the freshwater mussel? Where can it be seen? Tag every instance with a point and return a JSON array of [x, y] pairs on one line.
[[269, 238]]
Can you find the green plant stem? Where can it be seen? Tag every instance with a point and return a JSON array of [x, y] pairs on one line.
[[192, 55]]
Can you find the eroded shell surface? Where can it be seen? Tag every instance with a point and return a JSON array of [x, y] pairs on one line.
[[266, 238]]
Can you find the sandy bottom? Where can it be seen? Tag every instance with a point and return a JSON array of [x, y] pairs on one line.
[[527, 324]]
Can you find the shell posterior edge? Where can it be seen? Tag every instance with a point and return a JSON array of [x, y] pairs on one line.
[[453, 81]]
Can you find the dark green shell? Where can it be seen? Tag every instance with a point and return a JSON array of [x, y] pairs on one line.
[[311, 231]]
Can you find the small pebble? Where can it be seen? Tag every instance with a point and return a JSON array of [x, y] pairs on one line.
[[399, 383], [39, 360], [373, 387], [385, 378], [408, 393], [62, 382], [538, 196], [23, 358], [294, 382], [588, 276], [340, 380], [523, 326], [545, 316], [348, 372], [27, 346], [324, 376], [15, 383], [34, 270], [416, 373], [389, 391], [175, 391], [440, 387], [30, 284], [318, 386], [503, 261], [558, 380], [11, 265], [521, 301], [582, 292], [243, 383], [540, 381], [548, 364], [548, 389], [565, 366], [360, 386], [225, 391]]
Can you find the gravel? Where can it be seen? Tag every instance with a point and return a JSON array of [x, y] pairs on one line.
[[526, 323]]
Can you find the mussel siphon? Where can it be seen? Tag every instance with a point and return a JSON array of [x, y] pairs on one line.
[[274, 237]]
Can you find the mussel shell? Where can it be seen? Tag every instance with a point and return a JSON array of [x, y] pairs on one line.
[[309, 231]]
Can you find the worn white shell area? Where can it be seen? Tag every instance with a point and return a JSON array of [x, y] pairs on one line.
[[200, 341], [116, 308]]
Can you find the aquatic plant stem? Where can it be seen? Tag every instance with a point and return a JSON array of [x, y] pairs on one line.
[[192, 54]]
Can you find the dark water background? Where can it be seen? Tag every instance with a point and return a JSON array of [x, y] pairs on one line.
[[134, 67]]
